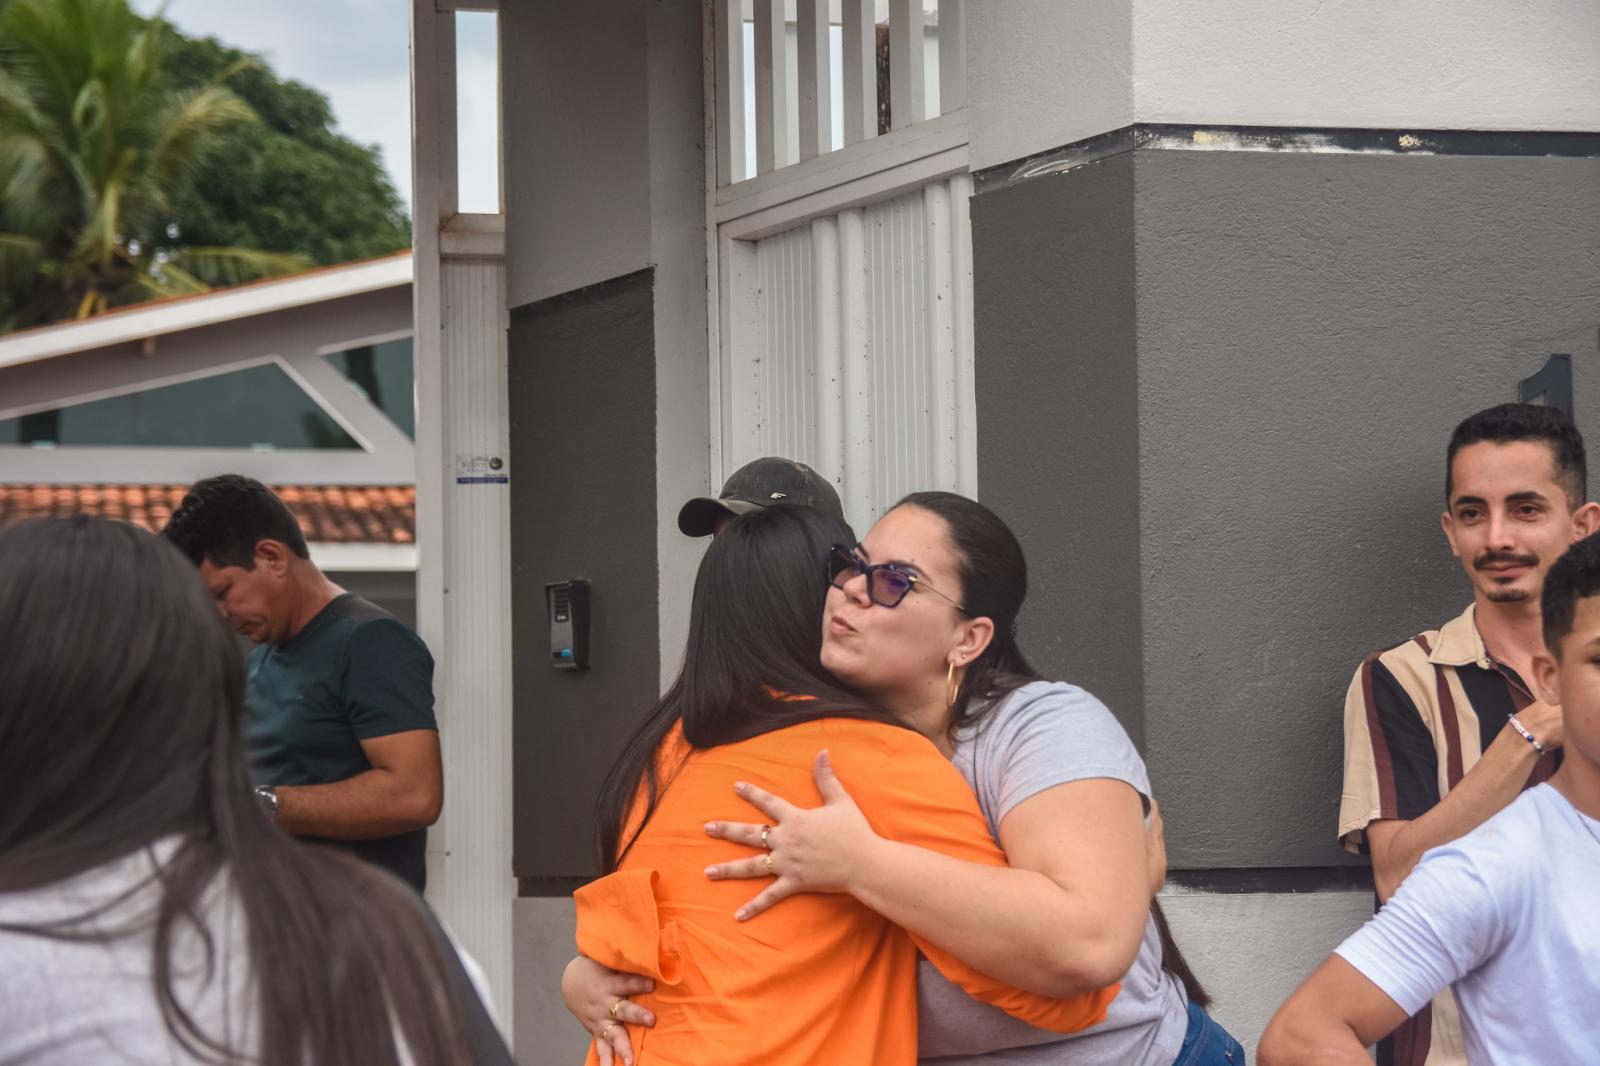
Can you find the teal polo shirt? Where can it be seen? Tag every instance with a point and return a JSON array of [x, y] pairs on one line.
[[355, 672]]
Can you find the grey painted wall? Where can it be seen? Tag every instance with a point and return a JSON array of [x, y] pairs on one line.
[[543, 1033], [1058, 429], [1308, 328], [582, 399]]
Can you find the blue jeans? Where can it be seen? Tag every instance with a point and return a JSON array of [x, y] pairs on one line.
[[1207, 1044]]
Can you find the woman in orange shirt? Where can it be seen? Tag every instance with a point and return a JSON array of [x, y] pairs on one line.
[[823, 979]]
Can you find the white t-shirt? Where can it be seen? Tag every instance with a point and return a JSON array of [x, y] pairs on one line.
[[1509, 916], [83, 1002], [93, 1003]]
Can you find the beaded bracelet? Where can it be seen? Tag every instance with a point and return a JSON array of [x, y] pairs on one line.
[[1519, 727]]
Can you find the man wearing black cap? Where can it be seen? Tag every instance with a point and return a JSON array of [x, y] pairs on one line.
[[761, 483]]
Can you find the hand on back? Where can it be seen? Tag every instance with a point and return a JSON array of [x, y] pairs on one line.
[[598, 997], [817, 850]]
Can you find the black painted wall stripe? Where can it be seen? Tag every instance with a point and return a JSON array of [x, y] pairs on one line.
[[1167, 136], [598, 292], [1274, 879], [549, 887], [1254, 880]]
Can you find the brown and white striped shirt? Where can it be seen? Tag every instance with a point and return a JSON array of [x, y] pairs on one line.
[[1417, 717]]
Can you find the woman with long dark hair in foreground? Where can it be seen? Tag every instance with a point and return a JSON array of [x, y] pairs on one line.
[[827, 979], [149, 913]]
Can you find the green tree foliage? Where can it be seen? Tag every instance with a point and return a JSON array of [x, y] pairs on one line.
[[288, 183], [94, 157], [136, 162]]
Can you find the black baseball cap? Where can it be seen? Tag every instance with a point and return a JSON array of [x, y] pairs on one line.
[[761, 483]]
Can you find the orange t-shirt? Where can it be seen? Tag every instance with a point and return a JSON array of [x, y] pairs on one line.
[[819, 978]]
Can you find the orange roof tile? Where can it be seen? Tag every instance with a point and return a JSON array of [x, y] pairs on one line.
[[328, 514]]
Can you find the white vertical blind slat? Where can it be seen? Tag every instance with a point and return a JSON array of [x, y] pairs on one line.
[[772, 87], [865, 353], [728, 25], [952, 55], [906, 86], [816, 78], [939, 304], [860, 487], [827, 385], [859, 36], [965, 366]]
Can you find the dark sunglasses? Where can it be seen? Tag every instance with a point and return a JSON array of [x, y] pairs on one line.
[[887, 583]]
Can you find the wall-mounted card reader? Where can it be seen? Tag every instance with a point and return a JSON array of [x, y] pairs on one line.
[[569, 624]]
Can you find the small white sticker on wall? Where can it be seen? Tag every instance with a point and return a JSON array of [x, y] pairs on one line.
[[482, 470]]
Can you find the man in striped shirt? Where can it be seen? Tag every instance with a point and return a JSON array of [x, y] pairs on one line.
[[1437, 728]]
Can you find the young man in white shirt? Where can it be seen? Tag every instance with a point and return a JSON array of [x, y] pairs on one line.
[[1506, 914]]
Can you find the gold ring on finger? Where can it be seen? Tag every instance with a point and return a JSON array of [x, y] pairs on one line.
[[764, 831], [606, 1029], [615, 1007], [767, 858]]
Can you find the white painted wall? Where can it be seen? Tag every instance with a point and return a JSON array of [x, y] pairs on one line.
[[677, 198], [606, 174], [577, 146], [605, 166], [1042, 74], [463, 605], [470, 882], [1252, 950], [1453, 64]]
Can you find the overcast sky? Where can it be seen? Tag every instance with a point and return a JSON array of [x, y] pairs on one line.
[[356, 53]]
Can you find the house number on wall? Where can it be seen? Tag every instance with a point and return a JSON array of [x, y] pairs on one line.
[[1553, 382]]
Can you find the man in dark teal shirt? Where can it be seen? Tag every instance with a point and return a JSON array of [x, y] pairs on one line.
[[339, 722]]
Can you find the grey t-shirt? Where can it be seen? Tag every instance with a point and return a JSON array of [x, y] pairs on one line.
[[1046, 734]]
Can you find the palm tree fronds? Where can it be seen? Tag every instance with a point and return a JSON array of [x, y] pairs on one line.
[[189, 129], [231, 266], [239, 65], [19, 113], [174, 280], [19, 254]]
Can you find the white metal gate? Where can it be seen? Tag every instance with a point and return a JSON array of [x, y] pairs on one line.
[[844, 291], [854, 351]]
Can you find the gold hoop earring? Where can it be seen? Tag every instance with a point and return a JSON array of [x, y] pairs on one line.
[[952, 688]]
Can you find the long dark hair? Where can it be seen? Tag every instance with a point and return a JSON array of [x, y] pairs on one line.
[[993, 573], [755, 643], [122, 692]]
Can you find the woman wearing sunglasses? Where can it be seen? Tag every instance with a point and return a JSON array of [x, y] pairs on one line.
[[920, 620], [826, 979]]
